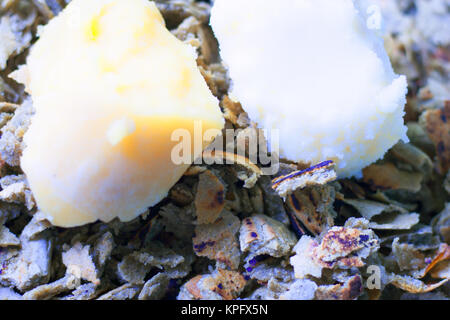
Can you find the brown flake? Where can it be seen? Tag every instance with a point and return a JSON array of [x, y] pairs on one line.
[[437, 124], [48, 291], [388, 176], [413, 285], [221, 284], [343, 247], [79, 263], [210, 198], [350, 290], [218, 241], [439, 262], [126, 292], [181, 194], [234, 113], [319, 174], [313, 207], [261, 235]]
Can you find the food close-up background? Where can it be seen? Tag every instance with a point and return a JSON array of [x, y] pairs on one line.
[[340, 225]]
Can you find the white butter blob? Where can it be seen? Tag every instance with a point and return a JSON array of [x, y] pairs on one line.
[[317, 71]]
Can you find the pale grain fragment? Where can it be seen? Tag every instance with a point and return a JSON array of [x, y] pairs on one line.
[[210, 198], [218, 241]]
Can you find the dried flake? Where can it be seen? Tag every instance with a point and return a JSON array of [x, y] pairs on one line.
[[339, 242], [217, 80], [15, 189], [7, 238], [9, 294], [179, 221], [181, 194], [263, 271], [353, 187], [4, 118], [243, 197], [102, 249], [261, 235], [176, 11], [419, 137], [382, 196], [188, 31], [313, 207], [29, 267], [441, 224], [126, 292], [37, 225], [217, 156], [432, 21], [436, 123], [273, 204], [233, 112], [319, 174], [350, 290], [135, 266], [209, 59], [343, 247], [7, 107], [85, 291], [13, 132], [439, 267], [388, 176], [447, 183], [396, 222], [8, 41], [43, 8], [155, 288], [184, 268], [272, 290], [257, 199], [300, 289], [79, 262], [413, 285], [21, 75], [407, 153], [220, 285], [420, 236], [218, 241], [303, 262], [210, 198], [48, 291], [407, 256], [369, 209]]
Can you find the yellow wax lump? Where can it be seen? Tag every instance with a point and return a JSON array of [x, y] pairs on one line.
[[110, 84]]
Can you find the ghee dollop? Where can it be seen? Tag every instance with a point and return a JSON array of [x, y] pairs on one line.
[[110, 84], [317, 71]]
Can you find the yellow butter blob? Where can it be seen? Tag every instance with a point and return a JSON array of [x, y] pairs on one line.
[[109, 84]]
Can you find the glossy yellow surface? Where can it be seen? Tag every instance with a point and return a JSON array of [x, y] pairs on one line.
[[110, 84]]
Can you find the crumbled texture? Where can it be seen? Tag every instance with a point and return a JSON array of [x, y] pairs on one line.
[[223, 232], [218, 241], [318, 175], [210, 198], [220, 285]]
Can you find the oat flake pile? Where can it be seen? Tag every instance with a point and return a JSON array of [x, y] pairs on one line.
[[227, 231]]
